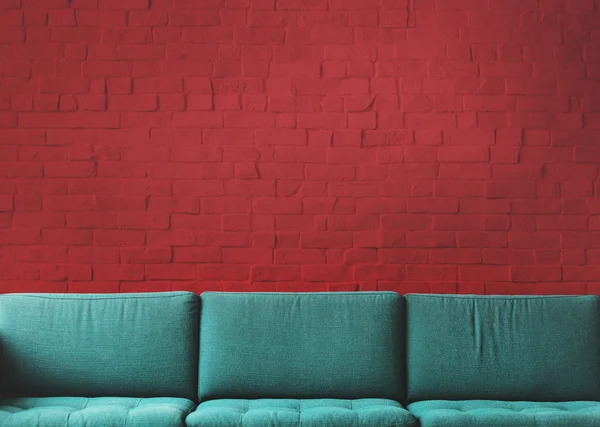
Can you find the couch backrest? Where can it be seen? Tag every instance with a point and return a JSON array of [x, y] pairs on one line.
[[308, 345], [130, 345], [504, 348]]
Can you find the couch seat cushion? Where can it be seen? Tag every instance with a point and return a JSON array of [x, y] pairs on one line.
[[305, 412], [495, 413], [95, 412]]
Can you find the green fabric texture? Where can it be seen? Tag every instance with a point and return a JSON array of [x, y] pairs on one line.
[[303, 345], [296, 413], [96, 412], [503, 348], [138, 345], [470, 413]]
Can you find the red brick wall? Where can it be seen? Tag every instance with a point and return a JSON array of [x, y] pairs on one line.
[[412, 145]]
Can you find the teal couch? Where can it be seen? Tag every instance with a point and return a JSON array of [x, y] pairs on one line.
[[316, 359]]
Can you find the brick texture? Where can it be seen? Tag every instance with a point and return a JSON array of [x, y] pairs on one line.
[[297, 145]]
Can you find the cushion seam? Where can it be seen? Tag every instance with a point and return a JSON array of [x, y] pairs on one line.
[[94, 299], [308, 294], [495, 297]]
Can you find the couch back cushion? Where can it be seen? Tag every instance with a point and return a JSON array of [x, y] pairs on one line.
[[128, 345], [302, 345], [503, 348]]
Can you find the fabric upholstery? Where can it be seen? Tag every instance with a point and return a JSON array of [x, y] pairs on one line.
[[467, 413], [95, 412], [138, 345], [305, 345], [296, 413], [503, 348]]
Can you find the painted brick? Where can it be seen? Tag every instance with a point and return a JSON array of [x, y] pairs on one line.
[[414, 146]]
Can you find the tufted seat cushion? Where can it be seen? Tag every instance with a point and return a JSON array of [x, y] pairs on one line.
[[307, 413], [95, 412], [494, 413]]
